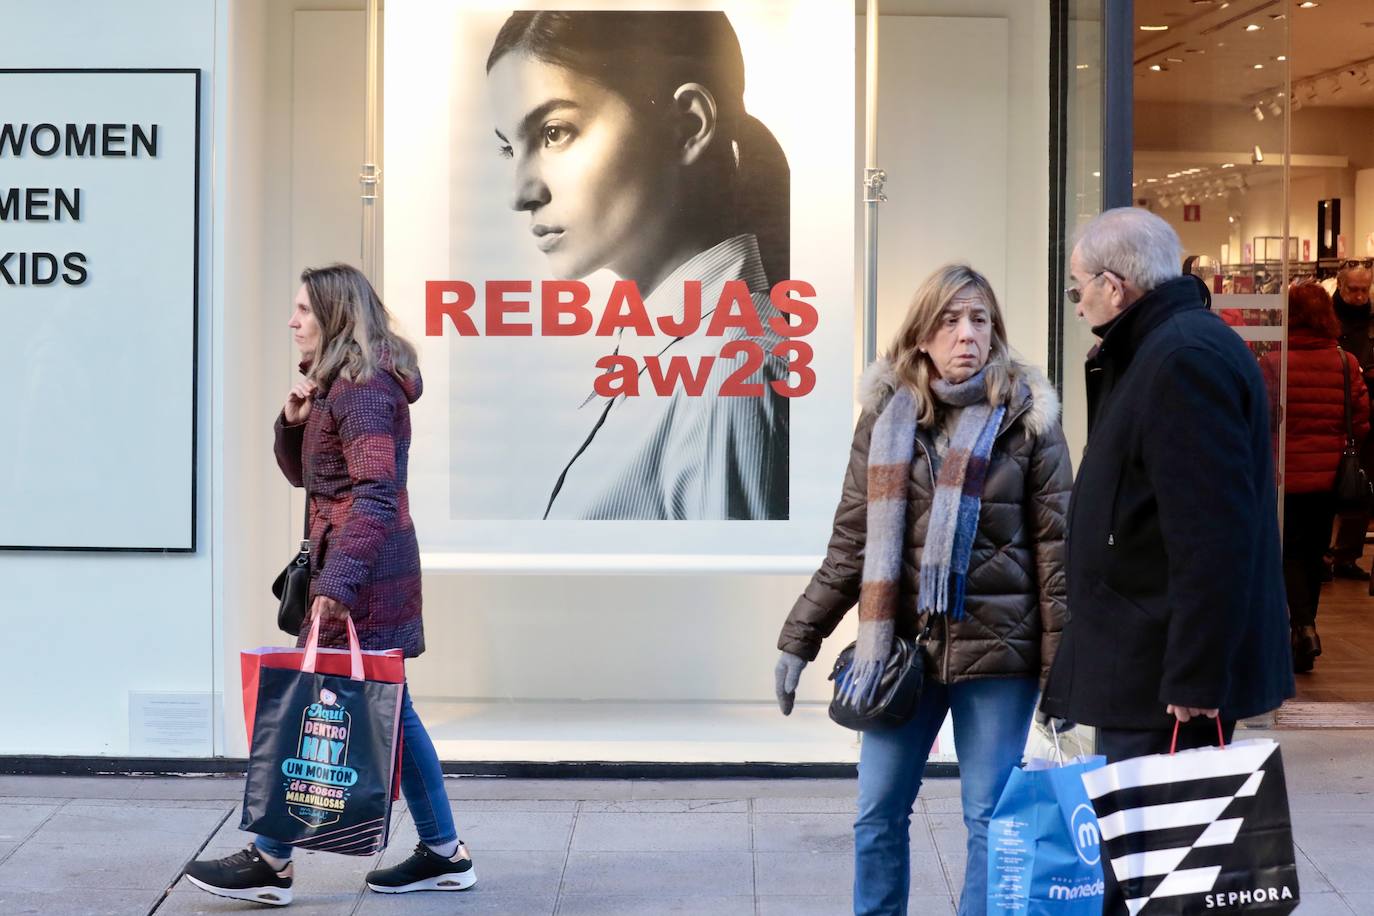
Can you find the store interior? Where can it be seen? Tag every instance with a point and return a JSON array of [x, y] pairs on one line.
[[1255, 121]]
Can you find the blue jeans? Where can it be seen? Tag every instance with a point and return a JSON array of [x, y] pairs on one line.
[[991, 720], [422, 783]]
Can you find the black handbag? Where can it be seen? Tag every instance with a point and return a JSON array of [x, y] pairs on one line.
[[1353, 492], [292, 586], [899, 688]]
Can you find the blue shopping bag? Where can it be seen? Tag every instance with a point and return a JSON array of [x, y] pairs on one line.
[[1043, 843]]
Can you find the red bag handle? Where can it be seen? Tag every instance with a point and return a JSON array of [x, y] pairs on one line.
[[312, 645], [1173, 745]]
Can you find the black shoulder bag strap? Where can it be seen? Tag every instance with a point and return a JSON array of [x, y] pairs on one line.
[[1349, 411]]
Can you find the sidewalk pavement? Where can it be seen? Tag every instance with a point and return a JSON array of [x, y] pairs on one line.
[[109, 846]]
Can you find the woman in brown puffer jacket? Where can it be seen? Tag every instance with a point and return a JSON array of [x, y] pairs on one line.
[[950, 528]]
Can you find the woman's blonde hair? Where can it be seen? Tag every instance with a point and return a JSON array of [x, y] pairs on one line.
[[355, 328], [922, 320]]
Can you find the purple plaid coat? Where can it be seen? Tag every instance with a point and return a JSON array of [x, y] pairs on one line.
[[351, 455]]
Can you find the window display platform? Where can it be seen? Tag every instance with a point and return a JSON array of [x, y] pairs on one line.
[[570, 731]]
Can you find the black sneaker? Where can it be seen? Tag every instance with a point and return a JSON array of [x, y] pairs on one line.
[[425, 870], [243, 876], [1350, 570]]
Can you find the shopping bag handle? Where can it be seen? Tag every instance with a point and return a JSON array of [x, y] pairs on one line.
[[312, 645], [1173, 745]]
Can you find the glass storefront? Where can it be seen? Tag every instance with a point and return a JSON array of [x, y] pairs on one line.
[[998, 145]]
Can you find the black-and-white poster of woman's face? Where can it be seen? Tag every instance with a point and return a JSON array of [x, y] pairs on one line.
[[596, 181]]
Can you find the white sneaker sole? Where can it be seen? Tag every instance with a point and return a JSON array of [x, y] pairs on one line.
[[459, 881], [267, 896]]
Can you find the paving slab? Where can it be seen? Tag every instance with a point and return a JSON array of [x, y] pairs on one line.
[[496, 787], [18, 822], [743, 788], [1325, 905], [802, 804], [460, 805], [187, 900], [70, 786], [841, 905], [699, 905], [516, 830], [827, 833], [1339, 845], [662, 833], [188, 788], [448, 903], [666, 806], [650, 874], [81, 823], [73, 901], [148, 865]]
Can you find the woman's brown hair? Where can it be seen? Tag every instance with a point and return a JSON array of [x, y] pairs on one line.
[[355, 328]]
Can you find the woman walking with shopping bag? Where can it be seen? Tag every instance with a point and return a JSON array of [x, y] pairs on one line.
[[949, 535], [344, 435]]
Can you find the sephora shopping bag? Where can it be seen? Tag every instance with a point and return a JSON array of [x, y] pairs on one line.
[[322, 761], [1043, 852], [1203, 830]]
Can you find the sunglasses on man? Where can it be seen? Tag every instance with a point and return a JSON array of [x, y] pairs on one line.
[[1075, 293]]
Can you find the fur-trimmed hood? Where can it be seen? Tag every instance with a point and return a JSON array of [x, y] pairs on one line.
[[880, 380]]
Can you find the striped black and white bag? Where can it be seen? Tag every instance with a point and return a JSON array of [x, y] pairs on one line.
[[1199, 831]]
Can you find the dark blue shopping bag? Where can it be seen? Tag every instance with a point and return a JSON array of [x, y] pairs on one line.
[[1043, 843], [323, 756]]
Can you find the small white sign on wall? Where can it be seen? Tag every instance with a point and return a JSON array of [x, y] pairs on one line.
[[170, 724], [99, 249]]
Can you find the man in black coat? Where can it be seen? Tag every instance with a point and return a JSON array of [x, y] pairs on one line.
[[1177, 614], [1176, 599], [1357, 338]]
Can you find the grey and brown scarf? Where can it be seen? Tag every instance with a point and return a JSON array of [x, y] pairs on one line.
[[953, 520]]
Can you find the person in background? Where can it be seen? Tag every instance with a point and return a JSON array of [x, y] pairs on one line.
[[1175, 581], [344, 435], [1314, 437], [1357, 338], [950, 522]]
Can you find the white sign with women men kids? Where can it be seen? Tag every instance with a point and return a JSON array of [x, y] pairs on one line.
[[624, 243], [99, 244]]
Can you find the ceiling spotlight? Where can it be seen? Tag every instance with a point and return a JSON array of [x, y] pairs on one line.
[[1174, 60], [1154, 28], [1276, 108], [1231, 219], [1156, 68], [1258, 112], [1228, 165], [1253, 27], [1257, 155], [1281, 58], [1081, 67], [1259, 66], [1308, 4]]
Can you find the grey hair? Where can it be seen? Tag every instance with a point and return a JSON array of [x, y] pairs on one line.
[[1132, 243]]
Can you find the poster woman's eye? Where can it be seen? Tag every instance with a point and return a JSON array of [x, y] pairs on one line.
[[505, 152], [556, 134]]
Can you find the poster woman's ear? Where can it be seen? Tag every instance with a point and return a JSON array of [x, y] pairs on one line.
[[696, 119]]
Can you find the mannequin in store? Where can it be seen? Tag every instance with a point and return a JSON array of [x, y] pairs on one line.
[[950, 531], [631, 150], [1314, 436], [1357, 338], [344, 435]]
